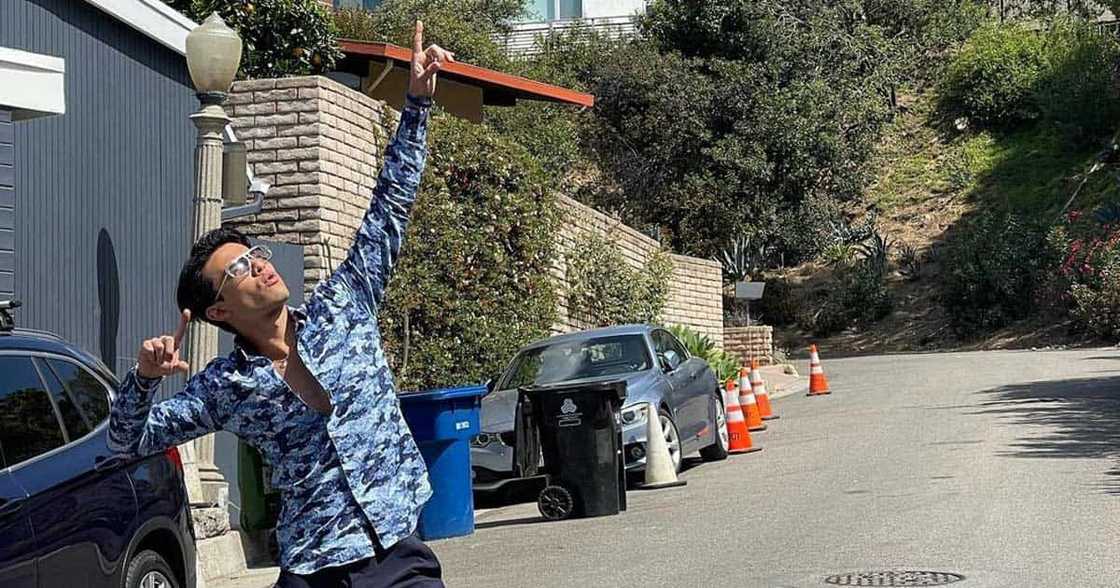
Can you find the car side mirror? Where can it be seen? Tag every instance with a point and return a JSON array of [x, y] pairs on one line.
[[669, 361], [491, 384]]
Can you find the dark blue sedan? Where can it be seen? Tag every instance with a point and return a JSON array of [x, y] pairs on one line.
[[70, 515]]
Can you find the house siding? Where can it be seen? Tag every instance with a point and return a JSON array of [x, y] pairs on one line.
[[7, 207], [102, 211]]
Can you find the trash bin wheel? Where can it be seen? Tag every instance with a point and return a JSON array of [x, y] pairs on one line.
[[555, 503]]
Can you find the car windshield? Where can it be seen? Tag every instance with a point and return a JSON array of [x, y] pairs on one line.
[[574, 360]]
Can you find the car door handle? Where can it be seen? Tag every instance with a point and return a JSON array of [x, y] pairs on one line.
[[10, 506]]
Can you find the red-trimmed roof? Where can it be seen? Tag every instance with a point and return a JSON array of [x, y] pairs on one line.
[[498, 88]]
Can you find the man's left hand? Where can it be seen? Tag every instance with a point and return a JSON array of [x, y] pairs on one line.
[[425, 64]]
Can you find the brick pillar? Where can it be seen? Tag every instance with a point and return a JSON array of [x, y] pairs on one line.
[[319, 144], [748, 343]]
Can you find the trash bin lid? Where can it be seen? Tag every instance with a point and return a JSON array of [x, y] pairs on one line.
[[443, 394], [611, 387]]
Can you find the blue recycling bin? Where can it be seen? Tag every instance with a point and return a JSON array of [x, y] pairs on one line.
[[443, 423]]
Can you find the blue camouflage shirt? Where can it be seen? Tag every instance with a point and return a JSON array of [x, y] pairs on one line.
[[340, 475]]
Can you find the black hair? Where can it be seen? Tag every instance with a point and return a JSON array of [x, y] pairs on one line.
[[195, 292]]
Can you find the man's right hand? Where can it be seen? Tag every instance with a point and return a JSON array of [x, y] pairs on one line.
[[159, 356]]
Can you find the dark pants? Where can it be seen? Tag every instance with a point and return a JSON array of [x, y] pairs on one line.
[[408, 564]]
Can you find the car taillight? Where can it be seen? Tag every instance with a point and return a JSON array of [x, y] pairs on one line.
[[173, 455]]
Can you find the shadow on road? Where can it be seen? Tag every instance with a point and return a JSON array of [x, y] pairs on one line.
[[1082, 415], [509, 523]]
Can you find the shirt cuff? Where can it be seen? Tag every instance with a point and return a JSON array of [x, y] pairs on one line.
[[145, 384]]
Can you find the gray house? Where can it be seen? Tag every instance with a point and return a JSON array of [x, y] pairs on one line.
[[101, 192], [96, 169]]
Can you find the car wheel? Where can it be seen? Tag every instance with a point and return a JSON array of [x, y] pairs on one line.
[[718, 450], [149, 570], [672, 437]]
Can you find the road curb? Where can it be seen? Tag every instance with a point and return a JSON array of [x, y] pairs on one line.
[[801, 386]]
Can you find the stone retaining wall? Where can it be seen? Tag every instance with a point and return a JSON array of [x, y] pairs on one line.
[[749, 343], [695, 292]]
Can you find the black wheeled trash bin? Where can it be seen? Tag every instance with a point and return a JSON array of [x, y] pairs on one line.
[[580, 434]]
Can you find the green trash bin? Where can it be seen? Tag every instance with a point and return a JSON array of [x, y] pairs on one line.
[[260, 503]]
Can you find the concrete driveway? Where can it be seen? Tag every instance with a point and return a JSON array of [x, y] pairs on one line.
[[1001, 467]]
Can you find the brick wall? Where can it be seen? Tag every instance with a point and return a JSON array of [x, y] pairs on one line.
[[319, 144], [749, 343], [695, 293]]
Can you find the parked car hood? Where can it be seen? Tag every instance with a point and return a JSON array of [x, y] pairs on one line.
[[500, 407]]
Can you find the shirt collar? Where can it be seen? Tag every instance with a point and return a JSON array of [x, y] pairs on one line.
[[245, 351]]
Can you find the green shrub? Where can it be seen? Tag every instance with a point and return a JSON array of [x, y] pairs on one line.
[[1079, 91], [781, 305], [831, 318], [866, 292], [694, 341], [725, 365], [474, 283], [604, 290], [1065, 75], [1098, 309], [699, 345], [992, 79], [992, 269], [858, 296], [910, 262], [281, 37], [1088, 277], [806, 232]]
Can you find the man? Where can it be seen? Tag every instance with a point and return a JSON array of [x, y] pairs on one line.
[[309, 388]]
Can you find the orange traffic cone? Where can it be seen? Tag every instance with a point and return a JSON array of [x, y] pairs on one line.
[[749, 403], [758, 385], [818, 384], [738, 436]]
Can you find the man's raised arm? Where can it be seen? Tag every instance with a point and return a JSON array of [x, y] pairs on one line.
[[377, 245]]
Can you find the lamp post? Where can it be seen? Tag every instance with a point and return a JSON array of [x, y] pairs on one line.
[[213, 55]]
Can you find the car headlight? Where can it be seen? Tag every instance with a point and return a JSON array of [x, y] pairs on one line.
[[635, 414]]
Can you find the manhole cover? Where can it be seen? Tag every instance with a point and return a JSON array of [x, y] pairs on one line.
[[894, 578]]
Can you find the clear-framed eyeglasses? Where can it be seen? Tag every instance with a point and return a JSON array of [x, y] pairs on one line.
[[242, 265]]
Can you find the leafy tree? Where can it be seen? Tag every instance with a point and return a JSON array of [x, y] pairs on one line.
[[466, 27], [735, 116], [281, 37], [732, 115]]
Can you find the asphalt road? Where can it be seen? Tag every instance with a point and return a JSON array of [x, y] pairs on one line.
[[1003, 467]]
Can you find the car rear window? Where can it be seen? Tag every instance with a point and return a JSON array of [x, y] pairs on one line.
[[574, 360], [28, 426]]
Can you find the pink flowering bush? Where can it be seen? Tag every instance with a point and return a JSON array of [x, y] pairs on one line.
[[1089, 272]]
